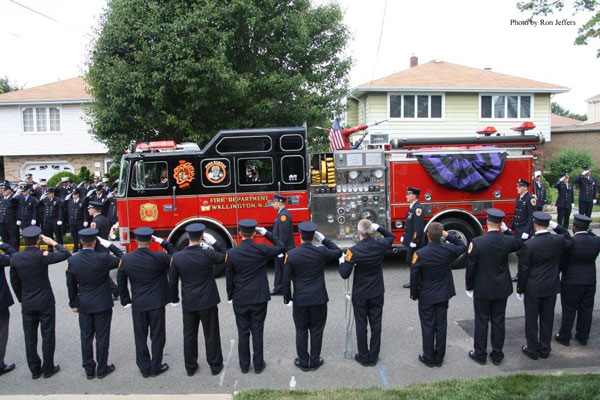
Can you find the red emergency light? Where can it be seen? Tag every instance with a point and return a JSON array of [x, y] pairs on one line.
[[162, 144], [487, 131], [525, 126]]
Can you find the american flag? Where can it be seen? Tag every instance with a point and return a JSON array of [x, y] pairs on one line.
[[336, 140]]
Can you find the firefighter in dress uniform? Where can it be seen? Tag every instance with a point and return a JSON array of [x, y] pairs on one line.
[[200, 296], [97, 196], [40, 189], [525, 206], [90, 298], [146, 272], [112, 213], [101, 223], [578, 282], [432, 285], [305, 267], [6, 300], [587, 191], [414, 237], [50, 209], [248, 289], [539, 282], [565, 201], [488, 283], [283, 229], [76, 212], [30, 282], [85, 188], [26, 207], [9, 231], [62, 191], [539, 190], [365, 259]]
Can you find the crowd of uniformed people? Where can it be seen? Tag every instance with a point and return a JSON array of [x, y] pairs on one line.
[[149, 280]]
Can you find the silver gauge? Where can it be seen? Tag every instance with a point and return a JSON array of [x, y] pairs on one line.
[[353, 174], [378, 173]]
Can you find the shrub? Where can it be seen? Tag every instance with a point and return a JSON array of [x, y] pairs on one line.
[[56, 178], [84, 172], [570, 161]]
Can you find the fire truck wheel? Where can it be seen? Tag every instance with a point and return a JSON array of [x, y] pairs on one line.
[[464, 231], [183, 241]]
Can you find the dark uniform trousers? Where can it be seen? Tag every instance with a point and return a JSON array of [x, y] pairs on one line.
[[32, 320], [563, 216], [313, 319], [576, 300], [539, 310], [50, 227], [250, 318], [368, 312], [585, 208], [9, 232], [434, 318], [154, 322], [95, 325], [75, 228], [210, 326], [4, 320], [486, 312]]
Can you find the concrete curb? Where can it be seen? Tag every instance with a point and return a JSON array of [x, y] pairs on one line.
[[120, 397]]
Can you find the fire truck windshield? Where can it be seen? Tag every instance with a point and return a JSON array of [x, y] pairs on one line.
[[123, 178]]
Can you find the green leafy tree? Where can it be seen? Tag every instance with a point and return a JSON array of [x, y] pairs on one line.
[[113, 173], [589, 30], [6, 86], [84, 172], [54, 179], [571, 161], [183, 70], [559, 110]]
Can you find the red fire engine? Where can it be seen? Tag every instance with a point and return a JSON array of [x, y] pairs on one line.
[[167, 186]]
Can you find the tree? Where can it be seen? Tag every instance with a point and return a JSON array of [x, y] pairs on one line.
[[570, 161], [183, 70], [589, 30], [6, 86], [84, 172], [55, 179], [559, 110]]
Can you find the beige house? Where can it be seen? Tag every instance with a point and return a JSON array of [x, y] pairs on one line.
[[44, 131], [442, 99]]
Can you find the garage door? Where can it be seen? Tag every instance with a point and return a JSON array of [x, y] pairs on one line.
[[45, 170]]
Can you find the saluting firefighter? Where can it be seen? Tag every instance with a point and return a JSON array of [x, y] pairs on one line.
[[90, 298], [101, 223], [305, 267], [578, 282], [26, 208], [76, 212], [146, 272], [283, 230], [51, 213], [488, 283], [565, 201], [365, 259], [30, 282], [248, 289], [9, 231], [539, 282], [539, 189], [414, 237], [200, 296], [97, 196], [587, 191], [6, 300]]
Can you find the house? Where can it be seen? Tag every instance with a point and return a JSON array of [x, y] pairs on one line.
[[44, 131], [442, 99]]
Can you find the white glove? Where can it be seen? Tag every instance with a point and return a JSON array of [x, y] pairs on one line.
[[230, 301], [128, 305], [157, 239], [319, 236], [33, 222], [342, 259], [562, 179], [553, 224], [105, 243], [280, 256], [503, 227], [584, 172], [374, 227], [469, 293], [261, 230], [210, 239], [525, 236], [85, 224], [413, 244], [18, 223], [595, 201], [176, 304], [572, 205], [290, 304], [59, 223], [520, 296]]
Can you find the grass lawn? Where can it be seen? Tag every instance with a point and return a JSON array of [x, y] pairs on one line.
[[521, 386]]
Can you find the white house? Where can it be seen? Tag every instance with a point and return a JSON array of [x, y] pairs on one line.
[[43, 131]]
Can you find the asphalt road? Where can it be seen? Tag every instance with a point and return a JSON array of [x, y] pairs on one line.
[[401, 344]]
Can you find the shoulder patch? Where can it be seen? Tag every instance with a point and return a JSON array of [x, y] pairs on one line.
[[283, 218], [470, 247], [415, 235], [418, 211], [415, 258], [285, 260], [348, 255], [533, 201]]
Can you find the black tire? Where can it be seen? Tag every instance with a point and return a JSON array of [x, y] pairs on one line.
[[183, 241], [465, 232]]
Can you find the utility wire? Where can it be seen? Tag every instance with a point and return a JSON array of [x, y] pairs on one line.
[[379, 45], [46, 16]]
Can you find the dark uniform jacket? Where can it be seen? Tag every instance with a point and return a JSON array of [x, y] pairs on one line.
[[431, 279], [101, 223], [112, 215], [566, 196], [26, 207], [194, 265], [147, 274], [101, 199], [539, 189], [246, 270], [29, 276], [414, 225], [587, 187], [284, 229], [50, 209], [579, 265], [366, 257], [83, 191], [523, 220], [76, 211], [6, 299], [8, 209], [488, 275], [305, 266], [88, 280], [539, 263]]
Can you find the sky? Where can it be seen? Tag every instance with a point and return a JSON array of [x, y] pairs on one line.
[[476, 33]]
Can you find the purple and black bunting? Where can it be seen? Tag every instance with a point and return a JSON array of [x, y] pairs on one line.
[[468, 172]]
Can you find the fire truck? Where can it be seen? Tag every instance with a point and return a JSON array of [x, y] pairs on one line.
[[166, 186]]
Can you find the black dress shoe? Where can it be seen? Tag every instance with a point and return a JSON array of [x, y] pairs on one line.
[[406, 286], [544, 355], [7, 368], [582, 342], [146, 375], [277, 293], [430, 364], [109, 370], [52, 373], [260, 369], [192, 371], [115, 296], [163, 368], [244, 370], [438, 363], [478, 360], [496, 361], [361, 362], [528, 353], [318, 364], [36, 375], [216, 370], [562, 341], [91, 375], [304, 368]]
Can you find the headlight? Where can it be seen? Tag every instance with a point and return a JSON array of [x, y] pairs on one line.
[[353, 174]]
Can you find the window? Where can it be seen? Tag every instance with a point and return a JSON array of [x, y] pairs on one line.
[[505, 106], [41, 119], [255, 171], [123, 178], [292, 169], [291, 142], [244, 144], [423, 106], [150, 176]]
